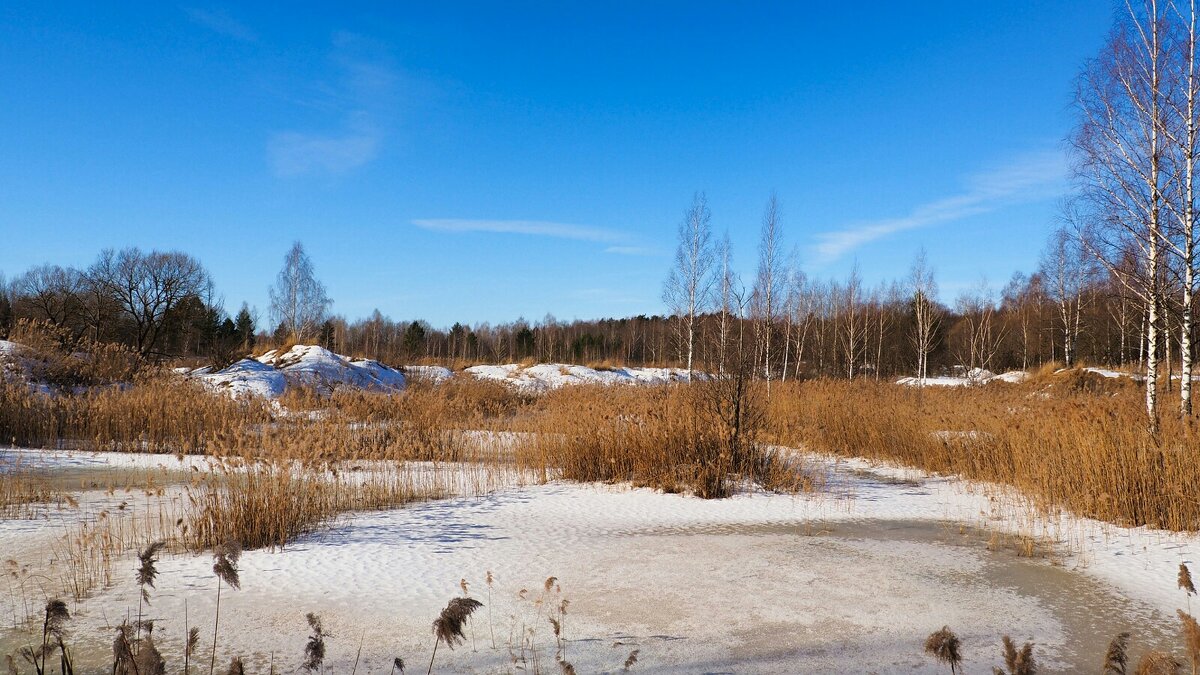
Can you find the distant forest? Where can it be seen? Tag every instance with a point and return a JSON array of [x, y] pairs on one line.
[[162, 306]]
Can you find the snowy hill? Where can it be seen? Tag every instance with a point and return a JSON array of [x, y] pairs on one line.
[[272, 373]]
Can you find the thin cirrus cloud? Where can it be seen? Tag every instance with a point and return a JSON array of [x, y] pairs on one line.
[[537, 228], [1028, 178], [221, 23], [631, 250], [357, 98], [292, 153]]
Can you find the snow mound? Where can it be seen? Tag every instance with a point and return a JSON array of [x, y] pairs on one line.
[[17, 365], [434, 374], [1013, 377], [546, 376], [244, 378], [11, 363], [272, 373], [973, 378]]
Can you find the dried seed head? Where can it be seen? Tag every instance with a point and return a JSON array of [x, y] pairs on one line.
[[449, 626], [1116, 659], [944, 646], [1185, 579], [225, 561]]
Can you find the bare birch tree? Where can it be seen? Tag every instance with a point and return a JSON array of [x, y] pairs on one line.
[[923, 288], [1064, 269], [727, 283], [298, 300], [689, 285], [852, 333], [1181, 134], [766, 285], [1119, 157]]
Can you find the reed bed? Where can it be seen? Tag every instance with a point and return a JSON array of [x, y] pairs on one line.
[[1074, 443], [681, 438], [269, 504], [22, 492]]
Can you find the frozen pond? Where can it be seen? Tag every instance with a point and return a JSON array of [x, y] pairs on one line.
[[851, 579]]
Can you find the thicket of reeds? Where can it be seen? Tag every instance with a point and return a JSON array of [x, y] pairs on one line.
[[705, 439], [1070, 441], [1067, 440]]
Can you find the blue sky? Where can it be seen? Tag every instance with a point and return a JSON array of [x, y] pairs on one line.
[[480, 162]]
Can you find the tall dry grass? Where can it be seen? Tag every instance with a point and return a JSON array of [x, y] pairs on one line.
[[679, 438], [1075, 442], [268, 504]]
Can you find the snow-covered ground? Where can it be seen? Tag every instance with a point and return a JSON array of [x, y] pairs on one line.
[[545, 376], [850, 579]]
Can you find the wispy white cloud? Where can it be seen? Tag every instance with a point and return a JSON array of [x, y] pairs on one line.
[[537, 228], [295, 154], [631, 250], [1027, 178], [357, 98], [222, 23], [292, 153]]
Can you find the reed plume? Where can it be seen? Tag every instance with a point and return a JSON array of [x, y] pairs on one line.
[[225, 566], [632, 659], [314, 650], [147, 567], [397, 666], [189, 647], [944, 646], [1116, 659], [490, 628], [236, 667], [1017, 661], [448, 627], [225, 563], [462, 583], [1185, 583]]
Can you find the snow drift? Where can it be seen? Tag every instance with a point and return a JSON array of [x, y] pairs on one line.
[[546, 376], [271, 374], [973, 378]]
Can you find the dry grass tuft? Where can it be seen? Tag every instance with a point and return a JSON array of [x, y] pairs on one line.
[[1158, 663]]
